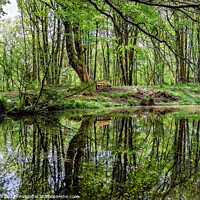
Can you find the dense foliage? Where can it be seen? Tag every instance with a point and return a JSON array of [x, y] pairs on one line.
[[129, 42]]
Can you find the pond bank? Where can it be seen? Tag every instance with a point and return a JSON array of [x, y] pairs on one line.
[[139, 111], [60, 98]]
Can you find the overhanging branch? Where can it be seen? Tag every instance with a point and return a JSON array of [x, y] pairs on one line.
[[178, 6]]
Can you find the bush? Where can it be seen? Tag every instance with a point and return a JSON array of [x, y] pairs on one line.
[[32, 86], [73, 101], [132, 102], [4, 103], [108, 104], [51, 95]]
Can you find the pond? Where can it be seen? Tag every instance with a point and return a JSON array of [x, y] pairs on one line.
[[143, 154]]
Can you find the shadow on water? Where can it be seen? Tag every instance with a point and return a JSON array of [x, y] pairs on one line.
[[136, 156]]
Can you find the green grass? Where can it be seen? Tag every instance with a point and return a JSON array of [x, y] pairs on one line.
[[188, 94], [81, 105], [116, 94]]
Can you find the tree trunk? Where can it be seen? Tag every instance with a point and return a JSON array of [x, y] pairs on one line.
[[108, 54], [198, 38], [96, 50], [34, 73], [131, 57], [182, 62], [76, 59]]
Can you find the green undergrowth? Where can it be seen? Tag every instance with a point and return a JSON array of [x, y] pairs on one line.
[[117, 94], [90, 98], [188, 94], [58, 98], [81, 105]]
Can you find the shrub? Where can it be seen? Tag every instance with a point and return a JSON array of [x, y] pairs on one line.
[[51, 95], [32, 86], [4, 103], [73, 100], [132, 102], [108, 104]]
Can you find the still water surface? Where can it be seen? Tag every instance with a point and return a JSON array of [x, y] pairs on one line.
[[149, 155]]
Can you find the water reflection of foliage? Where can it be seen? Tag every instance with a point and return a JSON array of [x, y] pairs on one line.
[[35, 150], [146, 157]]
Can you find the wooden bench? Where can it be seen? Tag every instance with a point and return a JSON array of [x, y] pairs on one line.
[[103, 84], [102, 121]]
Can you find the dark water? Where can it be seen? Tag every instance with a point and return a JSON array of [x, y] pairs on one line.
[[118, 156]]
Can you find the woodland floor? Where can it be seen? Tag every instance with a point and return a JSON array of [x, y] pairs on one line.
[[114, 96], [137, 93]]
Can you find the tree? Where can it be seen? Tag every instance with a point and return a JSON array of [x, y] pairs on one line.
[[72, 16], [153, 31], [129, 42], [2, 3]]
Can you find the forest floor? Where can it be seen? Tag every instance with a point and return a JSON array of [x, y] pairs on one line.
[[60, 98], [137, 95], [141, 95]]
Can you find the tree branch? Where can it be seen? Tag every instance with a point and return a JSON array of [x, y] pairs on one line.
[[179, 6]]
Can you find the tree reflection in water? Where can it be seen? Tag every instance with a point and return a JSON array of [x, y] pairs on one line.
[[131, 157]]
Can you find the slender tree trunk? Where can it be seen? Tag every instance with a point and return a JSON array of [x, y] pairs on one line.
[[132, 54], [190, 52], [61, 61], [34, 73], [126, 41], [108, 54], [198, 38], [181, 52], [57, 50], [96, 51], [104, 62], [45, 44], [186, 54], [53, 65]]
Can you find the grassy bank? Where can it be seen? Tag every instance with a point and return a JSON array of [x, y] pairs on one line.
[[61, 98], [187, 94]]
